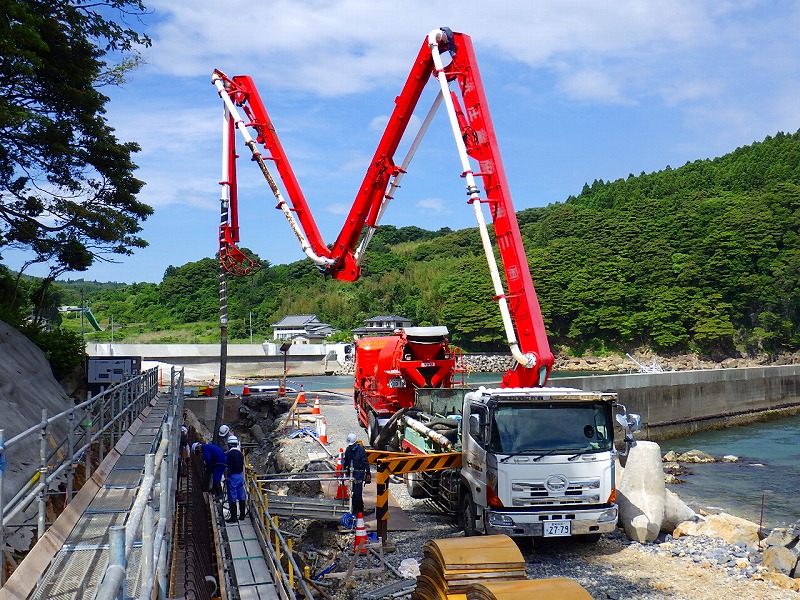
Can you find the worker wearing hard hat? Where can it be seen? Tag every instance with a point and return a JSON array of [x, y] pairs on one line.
[[224, 432], [356, 465], [235, 479], [215, 462]]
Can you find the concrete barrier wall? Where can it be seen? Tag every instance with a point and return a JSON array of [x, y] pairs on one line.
[[682, 402], [245, 361]]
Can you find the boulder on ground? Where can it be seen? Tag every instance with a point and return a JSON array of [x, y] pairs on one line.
[[696, 456], [675, 512], [780, 536], [733, 530], [670, 457], [641, 493], [779, 579], [780, 559]]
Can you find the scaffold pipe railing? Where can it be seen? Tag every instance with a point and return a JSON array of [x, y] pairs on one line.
[[81, 433]]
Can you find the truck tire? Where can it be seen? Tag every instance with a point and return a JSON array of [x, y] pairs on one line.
[[467, 515], [414, 485], [372, 429]]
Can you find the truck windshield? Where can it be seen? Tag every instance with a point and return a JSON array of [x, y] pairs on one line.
[[550, 428]]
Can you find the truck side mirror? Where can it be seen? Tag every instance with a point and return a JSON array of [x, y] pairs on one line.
[[631, 423]]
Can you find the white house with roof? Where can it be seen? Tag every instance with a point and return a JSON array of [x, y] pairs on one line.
[[301, 329], [381, 325]]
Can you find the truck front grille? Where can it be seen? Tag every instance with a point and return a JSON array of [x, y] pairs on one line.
[[535, 493]]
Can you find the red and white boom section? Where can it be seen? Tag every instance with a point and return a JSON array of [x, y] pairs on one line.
[[478, 152]]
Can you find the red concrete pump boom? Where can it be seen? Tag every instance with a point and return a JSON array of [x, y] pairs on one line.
[[475, 141]]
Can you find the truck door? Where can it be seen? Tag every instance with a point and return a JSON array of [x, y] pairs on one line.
[[473, 440]]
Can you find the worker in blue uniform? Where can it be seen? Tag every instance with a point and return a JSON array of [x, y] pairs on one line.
[[355, 464], [236, 492], [215, 461]]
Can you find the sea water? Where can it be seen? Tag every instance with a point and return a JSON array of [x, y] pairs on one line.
[[766, 475]]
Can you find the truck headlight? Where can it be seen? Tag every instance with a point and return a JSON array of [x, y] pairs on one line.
[[500, 520], [608, 515]]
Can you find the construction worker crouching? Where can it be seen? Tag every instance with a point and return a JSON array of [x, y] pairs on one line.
[[235, 479], [356, 466], [215, 462]]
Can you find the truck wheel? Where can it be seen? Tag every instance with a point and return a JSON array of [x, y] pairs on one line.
[[468, 515], [372, 429], [414, 485]]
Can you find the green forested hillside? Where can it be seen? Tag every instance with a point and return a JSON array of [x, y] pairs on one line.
[[705, 258]]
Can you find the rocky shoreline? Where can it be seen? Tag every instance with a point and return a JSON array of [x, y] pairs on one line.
[[737, 545]]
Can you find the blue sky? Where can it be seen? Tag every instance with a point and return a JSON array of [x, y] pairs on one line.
[[578, 91]]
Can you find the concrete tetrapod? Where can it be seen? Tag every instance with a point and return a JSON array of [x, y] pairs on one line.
[[642, 492], [675, 511]]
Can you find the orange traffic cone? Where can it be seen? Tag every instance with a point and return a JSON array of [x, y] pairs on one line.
[[360, 541], [315, 410], [246, 390], [323, 432], [341, 490], [301, 398]]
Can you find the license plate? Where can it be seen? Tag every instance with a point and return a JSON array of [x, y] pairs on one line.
[[557, 528]]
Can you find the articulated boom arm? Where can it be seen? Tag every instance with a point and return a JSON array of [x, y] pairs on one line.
[[475, 140]]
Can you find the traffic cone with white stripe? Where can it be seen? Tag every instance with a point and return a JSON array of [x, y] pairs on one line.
[[323, 431], [316, 410], [341, 490], [301, 398], [360, 541]]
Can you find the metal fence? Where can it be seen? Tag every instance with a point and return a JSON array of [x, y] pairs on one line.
[[289, 582], [92, 428], [157, 486]]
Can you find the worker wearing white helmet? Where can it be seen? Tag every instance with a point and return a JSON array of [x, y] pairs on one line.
[[224, 432], [236, 491], [356, 465]]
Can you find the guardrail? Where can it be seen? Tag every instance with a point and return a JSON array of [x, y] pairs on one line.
[[98, 422], [274, 544], [158, 485]]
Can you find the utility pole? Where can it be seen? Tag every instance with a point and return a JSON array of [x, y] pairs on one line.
[[251, 326]]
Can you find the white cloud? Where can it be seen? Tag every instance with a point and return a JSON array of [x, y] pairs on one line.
[[431, 206], [661, 82], [338, 208], [592, 85]]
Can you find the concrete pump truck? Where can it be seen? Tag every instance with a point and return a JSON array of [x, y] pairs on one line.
[[528, 459]]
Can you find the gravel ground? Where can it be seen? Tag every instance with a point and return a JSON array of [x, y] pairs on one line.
[[690, 568]]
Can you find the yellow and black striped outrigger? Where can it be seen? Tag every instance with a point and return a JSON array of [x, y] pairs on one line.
[[397, 463]]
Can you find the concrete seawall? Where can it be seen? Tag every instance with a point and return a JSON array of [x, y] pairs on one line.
[[245, 361], [672, 403], [679, 403]]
